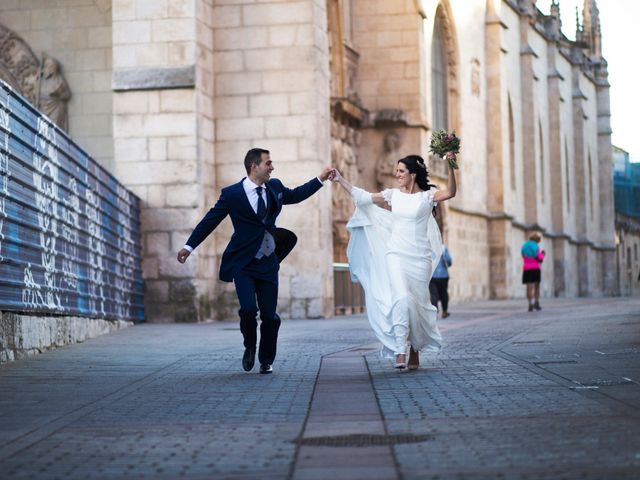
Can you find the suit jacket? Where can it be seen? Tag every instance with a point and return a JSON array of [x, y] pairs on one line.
[[248, 228]]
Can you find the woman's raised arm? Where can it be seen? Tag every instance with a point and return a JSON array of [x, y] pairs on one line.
[[452, 186]]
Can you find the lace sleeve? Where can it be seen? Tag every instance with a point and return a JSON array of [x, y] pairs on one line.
[[387, 194]]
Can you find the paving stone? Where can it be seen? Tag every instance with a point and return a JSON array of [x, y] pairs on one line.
[[514, 395]]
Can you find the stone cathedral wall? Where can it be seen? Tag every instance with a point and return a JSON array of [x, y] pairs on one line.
[[170, 94]]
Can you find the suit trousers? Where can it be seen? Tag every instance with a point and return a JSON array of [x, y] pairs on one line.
[[257, 289]]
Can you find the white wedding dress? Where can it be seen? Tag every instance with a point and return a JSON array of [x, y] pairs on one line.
[[392, 254]]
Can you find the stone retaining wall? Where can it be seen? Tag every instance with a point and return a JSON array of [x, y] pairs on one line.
[[25, 335]]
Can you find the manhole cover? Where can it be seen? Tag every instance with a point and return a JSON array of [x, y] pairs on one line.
[[362, 440]]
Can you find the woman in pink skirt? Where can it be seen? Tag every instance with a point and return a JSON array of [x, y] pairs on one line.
[[532, 257]]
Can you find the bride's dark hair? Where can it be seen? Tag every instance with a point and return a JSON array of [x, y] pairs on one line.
[[416, 164]]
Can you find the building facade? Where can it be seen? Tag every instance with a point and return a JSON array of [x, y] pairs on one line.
[[626, 184], [170, 94]]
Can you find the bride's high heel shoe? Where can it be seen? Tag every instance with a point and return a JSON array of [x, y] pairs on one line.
[[401, 361]]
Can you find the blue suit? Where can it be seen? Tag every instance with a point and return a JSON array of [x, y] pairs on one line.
[[256, 280]]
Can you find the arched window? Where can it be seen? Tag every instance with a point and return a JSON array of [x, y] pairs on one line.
[[439, 74], [512, 147]]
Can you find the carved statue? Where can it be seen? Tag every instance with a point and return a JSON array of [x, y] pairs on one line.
[[54, 93], [386, 164], [41, 83]]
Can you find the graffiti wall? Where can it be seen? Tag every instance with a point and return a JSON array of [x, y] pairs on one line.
[[69, 232]]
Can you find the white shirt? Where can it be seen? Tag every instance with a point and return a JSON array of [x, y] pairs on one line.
[[268, 243], [252, 194]]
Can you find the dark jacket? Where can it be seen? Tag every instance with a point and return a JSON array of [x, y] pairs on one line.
[[248, 229]]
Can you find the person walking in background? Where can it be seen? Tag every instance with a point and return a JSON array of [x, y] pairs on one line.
[[439, 284], [532, 257]]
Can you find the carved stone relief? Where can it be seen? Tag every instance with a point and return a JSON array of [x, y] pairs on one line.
[[344, 141], [387, 161], [41, 82]]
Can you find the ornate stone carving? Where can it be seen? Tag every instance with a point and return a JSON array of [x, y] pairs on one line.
[[390, 116], [41, 83], [387, 161], [344, 140], [19, 67]]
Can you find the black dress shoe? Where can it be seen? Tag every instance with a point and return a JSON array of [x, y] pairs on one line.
[[266, 368], [248, 359]]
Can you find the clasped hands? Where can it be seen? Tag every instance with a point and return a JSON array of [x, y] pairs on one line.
[[330, 173]]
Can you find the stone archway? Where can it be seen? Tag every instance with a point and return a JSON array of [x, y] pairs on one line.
[[443, 21]]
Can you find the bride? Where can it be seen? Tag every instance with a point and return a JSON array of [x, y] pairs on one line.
[[392, 252]]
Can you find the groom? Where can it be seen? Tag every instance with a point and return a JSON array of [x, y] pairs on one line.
[[251, 257]]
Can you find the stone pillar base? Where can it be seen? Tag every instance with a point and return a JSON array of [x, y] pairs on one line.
[[25, 335]]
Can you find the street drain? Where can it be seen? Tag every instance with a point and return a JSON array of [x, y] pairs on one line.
[[362, 440]]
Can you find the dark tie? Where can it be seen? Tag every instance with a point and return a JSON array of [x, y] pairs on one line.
[[262, 208]]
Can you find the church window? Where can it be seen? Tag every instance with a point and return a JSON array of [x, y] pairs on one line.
[[439, 73], [346, 21]]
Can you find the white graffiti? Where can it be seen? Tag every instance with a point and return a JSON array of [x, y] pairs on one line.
[[70, 214], [97, 251], [31, 294], [4, 167], [4, 182], [47, 199], [4, 117], [125, 256]]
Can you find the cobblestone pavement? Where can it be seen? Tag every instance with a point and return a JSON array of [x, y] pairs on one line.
[[551, 394]]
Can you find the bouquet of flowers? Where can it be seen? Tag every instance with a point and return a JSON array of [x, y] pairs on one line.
[[443, 143]]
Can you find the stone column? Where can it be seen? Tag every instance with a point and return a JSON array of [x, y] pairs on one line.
[[558, 190], [580, 183], [605, 176], [272, 91], [528, 109], [163, 133], [499, 224]]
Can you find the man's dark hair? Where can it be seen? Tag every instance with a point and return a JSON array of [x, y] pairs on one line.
[[253, 156]]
